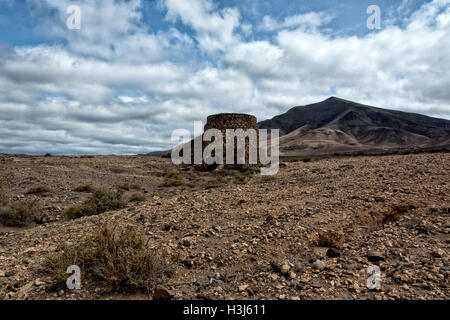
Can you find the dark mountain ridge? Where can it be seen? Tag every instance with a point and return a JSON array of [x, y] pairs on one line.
[[340, 125]]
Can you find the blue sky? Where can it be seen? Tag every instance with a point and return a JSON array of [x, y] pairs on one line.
[[19, 19], [137, 70]]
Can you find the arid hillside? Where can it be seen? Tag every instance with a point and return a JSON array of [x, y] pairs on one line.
[[340, 126], [141, 228]]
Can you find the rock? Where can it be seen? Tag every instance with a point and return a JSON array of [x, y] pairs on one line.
[[285, 268], [38, 282], [24, 291], [375, 256], [185, 242], [439, 253], [2, 273], [161, 293], [319, 264], [243, 287], [333, 253]]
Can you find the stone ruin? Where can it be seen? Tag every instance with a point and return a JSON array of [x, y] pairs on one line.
[[222, 122]]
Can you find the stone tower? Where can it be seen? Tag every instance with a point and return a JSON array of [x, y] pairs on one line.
[[224, 121]]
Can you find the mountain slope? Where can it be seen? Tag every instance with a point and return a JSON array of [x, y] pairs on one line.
[[336, 125]]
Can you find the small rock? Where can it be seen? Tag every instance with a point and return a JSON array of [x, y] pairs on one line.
[[333, 253], [375, 256], [186, 242], [285, 268], [439, 253], [161, 293], [319, 264], [24, 291], [38, 282], [243, 287], [2, 273]]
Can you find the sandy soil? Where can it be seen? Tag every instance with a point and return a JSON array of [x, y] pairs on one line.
[[254, 240]]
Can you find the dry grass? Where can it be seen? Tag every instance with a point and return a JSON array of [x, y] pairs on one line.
[[240, 178], [268, 178], [137, 197], [99, 202], [327, 238], [395, 212], [173, 179], [18, 213], [88, 188], [214, 182], [125, 187], [113, 258], [3, 197], [41, 189]]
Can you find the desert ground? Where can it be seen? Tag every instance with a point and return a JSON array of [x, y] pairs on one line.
[[310, 232]]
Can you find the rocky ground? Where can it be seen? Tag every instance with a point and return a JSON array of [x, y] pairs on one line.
[[310, 232]]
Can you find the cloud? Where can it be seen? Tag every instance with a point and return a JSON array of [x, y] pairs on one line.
[[309, 21], [214, 29], [119, 88]]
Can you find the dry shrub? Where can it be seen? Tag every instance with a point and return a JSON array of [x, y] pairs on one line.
[[172, 179], [88, 188], [100, 201], [214, 182], [128, 187], [247, 169], [268, 178], [327, 238], [42, 189], [3, 197], [137, 197], [395, 212], [18, 213], [240, 178], [113, 258], [382, 217]]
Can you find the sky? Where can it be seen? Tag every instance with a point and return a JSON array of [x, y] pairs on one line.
[[136, 70]]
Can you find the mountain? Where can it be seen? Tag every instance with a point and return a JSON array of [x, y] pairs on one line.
[[338, 125]]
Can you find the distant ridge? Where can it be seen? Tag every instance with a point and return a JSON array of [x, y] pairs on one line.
[[338, 125]]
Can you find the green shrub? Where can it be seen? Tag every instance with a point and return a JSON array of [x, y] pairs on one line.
[[99, 202], [113, 258]]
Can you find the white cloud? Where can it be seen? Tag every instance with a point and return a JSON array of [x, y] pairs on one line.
[[309, 21], [85, 97], [214, 29]]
